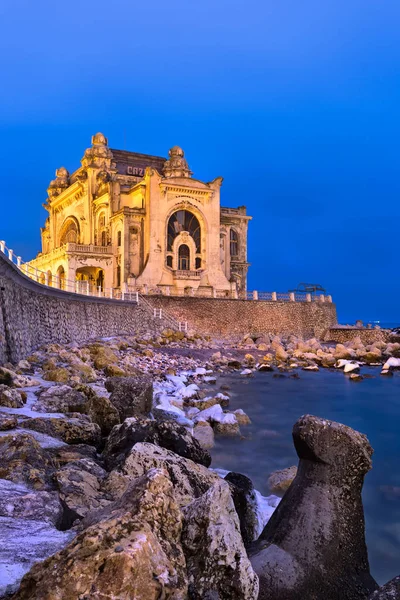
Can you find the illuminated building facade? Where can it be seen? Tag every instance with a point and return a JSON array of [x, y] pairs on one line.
[[128, 221]]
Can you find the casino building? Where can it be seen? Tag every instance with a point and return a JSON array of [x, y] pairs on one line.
[[126, 221]]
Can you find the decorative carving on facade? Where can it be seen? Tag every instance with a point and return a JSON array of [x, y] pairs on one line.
[[176, 165], [99, 155], [60, 183]]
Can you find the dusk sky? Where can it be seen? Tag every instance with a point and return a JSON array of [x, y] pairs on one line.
[[295, 103]]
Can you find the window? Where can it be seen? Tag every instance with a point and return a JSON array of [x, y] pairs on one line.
[[234, 243], [119, 237], [169, 261], [119, 276], [183, 220], [184, 258], [69, 232], [103, 238], [198, 263]]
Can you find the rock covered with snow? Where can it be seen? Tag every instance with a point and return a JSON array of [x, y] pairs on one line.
[[191, 480], [129, 550], [166, 434]]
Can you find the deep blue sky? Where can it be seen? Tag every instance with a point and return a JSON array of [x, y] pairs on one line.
[[295, 103]]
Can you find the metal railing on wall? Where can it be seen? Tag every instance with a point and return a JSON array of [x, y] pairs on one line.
[[88, 288], [288, 297], [60, 282]]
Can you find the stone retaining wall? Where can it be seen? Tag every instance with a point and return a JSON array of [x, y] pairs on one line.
[[32, 315], [341, 335], [227, 317]]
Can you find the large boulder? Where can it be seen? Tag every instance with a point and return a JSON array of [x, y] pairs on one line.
[[60, 399], [129, 550], [191, 480], [166, 434], [100, 409], [22, 460], [103, 356], [217, 562], [10, 397], [204, 434], [131, 396], [81, 399], [68, 429], [7, 421], [79, 484], [245, 501], [389, 591], [314, 544], [280, 481]]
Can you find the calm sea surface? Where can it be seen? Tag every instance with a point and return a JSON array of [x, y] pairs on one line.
[[371, 406]]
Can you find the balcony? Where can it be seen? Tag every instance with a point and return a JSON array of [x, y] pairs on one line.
[[187, 274], [88, 249]]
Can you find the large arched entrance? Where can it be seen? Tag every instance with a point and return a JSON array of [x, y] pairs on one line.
[[89, 280], [183, 241]]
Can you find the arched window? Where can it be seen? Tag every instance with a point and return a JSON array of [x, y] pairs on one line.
[[119, 276], [119, 238], [234, 243], [183, 220], [103, 238], [69, 232], [102, 220], [184, 258]]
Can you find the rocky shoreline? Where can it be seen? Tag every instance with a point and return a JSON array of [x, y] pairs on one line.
[[105, 475]]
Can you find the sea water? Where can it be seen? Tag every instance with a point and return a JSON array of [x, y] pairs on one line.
[[371, 406]]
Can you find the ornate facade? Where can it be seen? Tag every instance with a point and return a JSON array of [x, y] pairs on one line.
[[126, 221]]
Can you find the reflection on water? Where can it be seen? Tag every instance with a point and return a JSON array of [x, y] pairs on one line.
[[371, 406]]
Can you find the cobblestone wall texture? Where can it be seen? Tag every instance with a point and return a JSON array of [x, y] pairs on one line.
[[31, 315], [228, 318], [367, 336]]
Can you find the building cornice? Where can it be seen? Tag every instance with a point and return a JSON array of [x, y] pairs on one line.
[[72, 194]]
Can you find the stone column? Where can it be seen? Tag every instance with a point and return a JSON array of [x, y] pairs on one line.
[[322, 298], [255, 295], [273, 295], [292, 297], [308, 297]]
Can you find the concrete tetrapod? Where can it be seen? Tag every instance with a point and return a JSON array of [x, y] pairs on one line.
[[314, 546]]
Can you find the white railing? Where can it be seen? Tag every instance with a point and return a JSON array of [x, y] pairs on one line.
[[157, 313], [89, 288], [59, 281], [287, 297], [183, 325]]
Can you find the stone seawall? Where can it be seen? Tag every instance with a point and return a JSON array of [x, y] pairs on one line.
[[226, 317], [341, 335], [32, 315]]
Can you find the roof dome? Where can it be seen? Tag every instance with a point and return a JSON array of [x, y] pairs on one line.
[[99, 140]]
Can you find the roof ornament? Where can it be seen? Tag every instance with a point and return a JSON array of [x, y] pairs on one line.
[[176, 165], [60, 183], [99, 154]]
